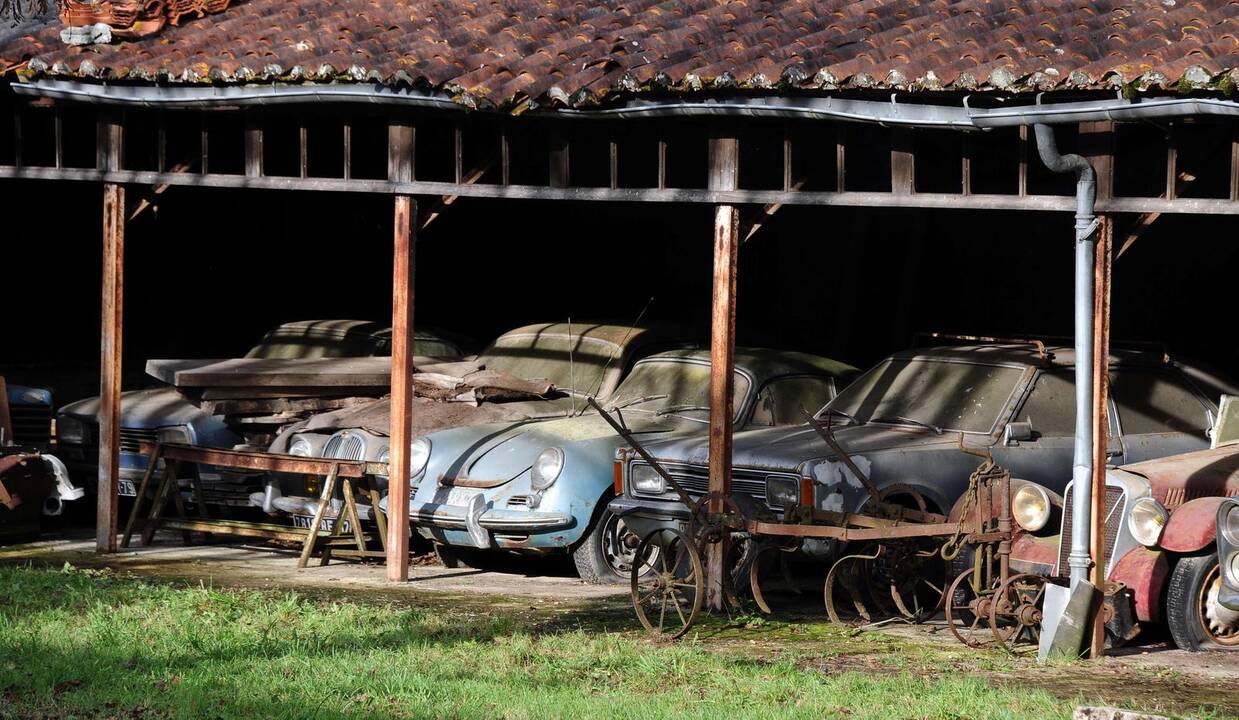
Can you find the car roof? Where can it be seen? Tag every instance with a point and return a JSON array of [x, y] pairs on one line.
[[767, 362], [345, 328], [617, 335], [1026, 354]]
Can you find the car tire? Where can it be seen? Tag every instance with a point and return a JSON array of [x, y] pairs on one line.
[[599, 557], [1187, 598]]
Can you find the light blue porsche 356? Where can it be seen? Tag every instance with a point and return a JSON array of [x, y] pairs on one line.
[[543, 487]]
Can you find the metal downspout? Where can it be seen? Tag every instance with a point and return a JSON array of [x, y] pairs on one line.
[[1086, 240]]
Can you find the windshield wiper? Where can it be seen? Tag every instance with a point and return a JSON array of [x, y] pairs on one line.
[[634, 401], [681, 408], [840, 413], [901, 420]]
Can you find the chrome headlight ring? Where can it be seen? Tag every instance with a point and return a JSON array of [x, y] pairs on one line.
[[546, 468], [1030, 506], [1146, 520]]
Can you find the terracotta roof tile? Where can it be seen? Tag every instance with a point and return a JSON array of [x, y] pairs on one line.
[[506, 52]]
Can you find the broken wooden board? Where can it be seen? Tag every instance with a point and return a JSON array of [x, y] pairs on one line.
[[292, 373]]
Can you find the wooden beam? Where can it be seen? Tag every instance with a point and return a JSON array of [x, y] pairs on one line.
[[1100, 419], [724, 158], [253, 147], [112, 301], [1097, 144], [903, 160], [400, 152], [558, 160]]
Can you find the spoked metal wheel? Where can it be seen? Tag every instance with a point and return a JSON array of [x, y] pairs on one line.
[[1220, 624], [967, 611], [668, 597], [1015, 613]]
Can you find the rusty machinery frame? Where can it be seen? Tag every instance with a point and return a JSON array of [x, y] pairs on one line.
[[897, 565]]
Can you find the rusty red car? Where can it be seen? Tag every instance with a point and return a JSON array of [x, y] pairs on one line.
[[1161, 555]]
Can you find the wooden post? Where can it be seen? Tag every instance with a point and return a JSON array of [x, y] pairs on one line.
[[1100, 420], [903, 172], [400, 169], [109, 154], [724, 173]]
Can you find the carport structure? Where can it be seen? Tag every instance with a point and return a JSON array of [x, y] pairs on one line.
[[747, 107]]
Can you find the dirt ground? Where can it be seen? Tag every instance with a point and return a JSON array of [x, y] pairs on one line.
[[1154, 671]]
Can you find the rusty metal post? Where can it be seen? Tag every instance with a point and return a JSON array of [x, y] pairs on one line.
[[108, 157], [1101, 422], [400, 169], [724, 174]]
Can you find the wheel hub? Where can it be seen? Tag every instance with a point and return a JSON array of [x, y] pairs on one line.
[[1222, 620]]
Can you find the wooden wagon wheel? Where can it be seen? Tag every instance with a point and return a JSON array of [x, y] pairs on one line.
[[667, 596], [967, 611], [1015, 612]]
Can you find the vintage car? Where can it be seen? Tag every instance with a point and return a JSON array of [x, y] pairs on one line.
[[1228, 553], [25, 443], [544, 487], [570, 362], [903, 423], [1163, 518], [162, 415]]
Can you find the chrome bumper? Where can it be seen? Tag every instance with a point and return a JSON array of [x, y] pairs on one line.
[[456, 517]]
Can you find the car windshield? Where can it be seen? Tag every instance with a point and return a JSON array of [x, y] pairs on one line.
[[297, 345], [671, 387], [936, 394], [573, 364]]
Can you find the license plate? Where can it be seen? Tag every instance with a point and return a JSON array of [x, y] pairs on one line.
[[127, 489], [461, 496], [328, 524]]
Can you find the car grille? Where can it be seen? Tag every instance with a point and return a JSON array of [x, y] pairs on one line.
[[696, 481], [345, 446], [1116, 510], [132, 439], [32, 424]]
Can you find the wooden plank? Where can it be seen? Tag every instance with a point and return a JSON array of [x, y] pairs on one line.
[[903, 180], [1097, 144], [135, 512], [273, 372], [558, 160], [111, 332], [404, 248], [724, 174], [6, 419], [253, 147], [400, 147], [268, 462], [1100, 419], [311, 537], [239, 528]]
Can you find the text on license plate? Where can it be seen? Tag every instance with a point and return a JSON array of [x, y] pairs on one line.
[[126, 488], [328, 524]]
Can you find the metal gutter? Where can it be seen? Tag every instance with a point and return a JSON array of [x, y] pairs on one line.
[[1086, 240], [892, 112]]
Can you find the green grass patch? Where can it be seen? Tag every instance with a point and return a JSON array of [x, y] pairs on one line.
[[91, 644]]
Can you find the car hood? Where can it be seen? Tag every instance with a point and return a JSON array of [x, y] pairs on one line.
[[25, 396], [504, 452], [787, 448], [1190, 475], [153, 408]]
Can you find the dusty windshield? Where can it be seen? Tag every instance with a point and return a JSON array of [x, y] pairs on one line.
[[670, 387], [944, 395], [308, 346], [568, 362]]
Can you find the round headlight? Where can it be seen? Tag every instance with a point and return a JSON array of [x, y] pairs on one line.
[[1232, 569], [300, 447], [1230, 524], [547, 467], [1030, 506], [1146, 521], [419, 455]]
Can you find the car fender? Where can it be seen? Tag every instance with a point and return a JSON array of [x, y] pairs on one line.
[[1192, 525], [1145, 573]]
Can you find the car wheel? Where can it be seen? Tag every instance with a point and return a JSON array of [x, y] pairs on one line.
[[606, 555], [1197, 621]]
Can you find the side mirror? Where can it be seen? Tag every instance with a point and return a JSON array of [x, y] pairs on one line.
[[1017, 432]]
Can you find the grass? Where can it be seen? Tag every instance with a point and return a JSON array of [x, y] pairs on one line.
[[79, 643]]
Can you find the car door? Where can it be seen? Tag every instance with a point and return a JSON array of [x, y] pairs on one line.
[[780, 400], [1159, 413], [1049, 407]]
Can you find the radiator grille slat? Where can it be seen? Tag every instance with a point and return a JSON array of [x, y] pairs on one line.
[[131, 439], [345, 446], [1116, 511], [32, 424], [696, 481]]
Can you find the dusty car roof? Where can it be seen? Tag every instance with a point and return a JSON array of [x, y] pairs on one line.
[[617, 335], [1026, 354], [767, 362]]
